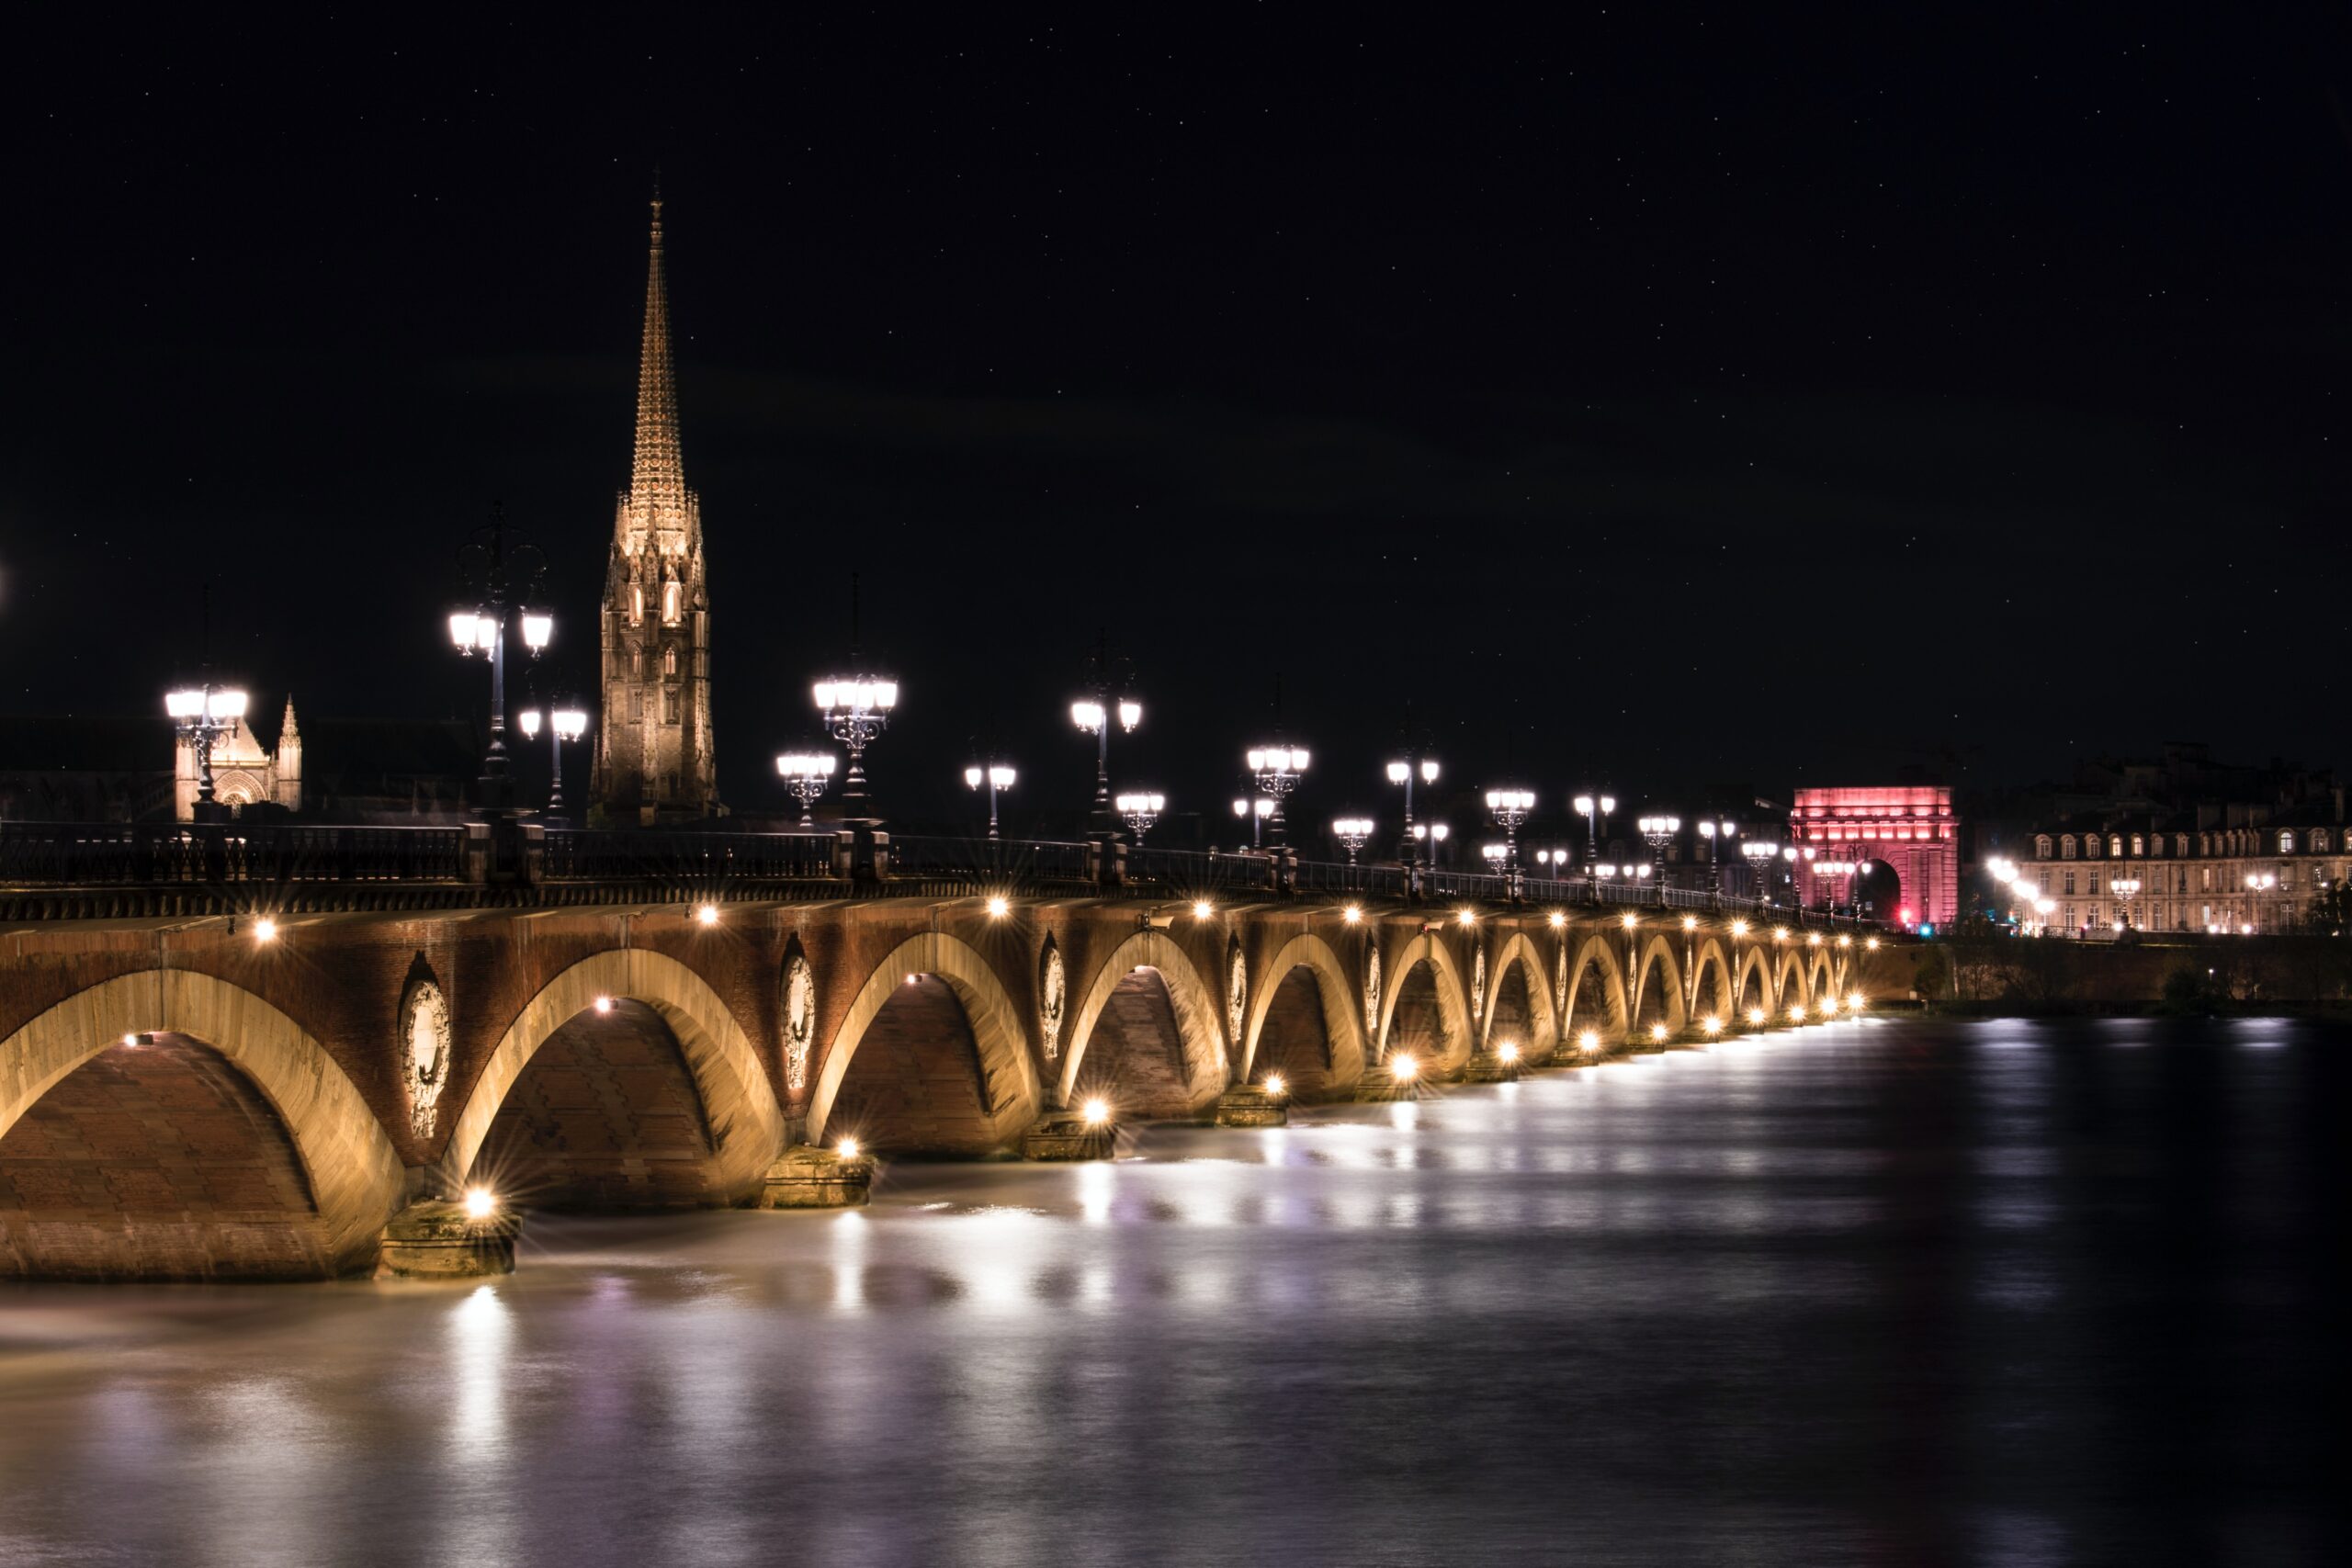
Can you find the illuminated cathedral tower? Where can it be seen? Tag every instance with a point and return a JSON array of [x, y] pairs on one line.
[[654, 758]]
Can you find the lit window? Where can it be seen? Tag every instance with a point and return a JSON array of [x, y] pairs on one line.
[[670, 660], [670, 603], [636, 604], [2287, 841]]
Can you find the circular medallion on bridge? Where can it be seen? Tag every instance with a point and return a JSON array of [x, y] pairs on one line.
[[1049, 1000], [1478, 985], [1372, 993], [799, 1019], [1237, 992], [423, 1052], [1560, 990]]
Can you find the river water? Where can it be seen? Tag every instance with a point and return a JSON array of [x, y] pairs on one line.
[[1894, 1292]]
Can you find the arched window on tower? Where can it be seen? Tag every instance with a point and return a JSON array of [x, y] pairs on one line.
[[636, 604], [637, 664], [672, 596], [669, 660]]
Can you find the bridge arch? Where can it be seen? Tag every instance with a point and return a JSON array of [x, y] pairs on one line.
[[1657, 987], [1789, 986], [739, 1105], [1151, 962], [1821, 977], [1519, 953], [1711, 988], [1753, 986], [1338, 1006], [1596, 985], [354, 1177], [1449, 997], [1010, 1094]]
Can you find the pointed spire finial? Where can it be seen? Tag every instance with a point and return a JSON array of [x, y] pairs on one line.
[[656, 478]]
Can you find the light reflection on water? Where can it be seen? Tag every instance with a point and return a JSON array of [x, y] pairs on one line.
[[1866, 1293]]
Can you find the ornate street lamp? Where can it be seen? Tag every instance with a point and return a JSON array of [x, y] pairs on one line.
[[805, 775], [1709, 830], [994, 777], [506, 575], [1595, 810], [1658, 831], [1093, 713], [1257, 808], [1760, 853], [1277, 770], [1140, 810], [855, 709], [1351, 832], [2126, 889], [199, 714], [1404, 770], [1509, 808], [1434, 834], [569, 722]]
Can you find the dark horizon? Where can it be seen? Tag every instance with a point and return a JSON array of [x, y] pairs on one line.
[[1799, 409]]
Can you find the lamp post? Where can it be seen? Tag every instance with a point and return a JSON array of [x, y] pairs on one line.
[[1595, 810], [505, 574], [1352, 832], [1509, 808], [1434, 834], [855, 709], [805, 775], [1140, 810], [1257, 808], [198, 713], [1659, 831], [1403, 771], [568, 722], [1711, 828], [994, 777], [2257, 884], [1760, 854], [1094, 714], [1277, 770], [2126, 889]]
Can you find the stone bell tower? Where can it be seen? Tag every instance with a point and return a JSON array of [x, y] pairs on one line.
[[654, 756]]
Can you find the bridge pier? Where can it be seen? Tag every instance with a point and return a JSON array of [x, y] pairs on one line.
[[441, 1240], [1249, 1105], [1491, 1066], [1069, 1135], [806, 1177]]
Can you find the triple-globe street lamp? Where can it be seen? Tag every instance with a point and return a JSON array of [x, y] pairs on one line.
[[1711, 828], [1353, 833], [1277, 770], [1094, 715], [805, 775], [1658, 832], [1595, 810], [1139, 809], [855, 709]]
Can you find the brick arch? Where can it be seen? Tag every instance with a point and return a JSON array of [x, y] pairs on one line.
[[1341, 1008], [1821, 975], [1521, 952], [739, 1105], [1712, 962], [1190, 1005], [1754, 981], [999, 1037], [1599, 951], [354, 1176], [1453, 995], [1789, 982], [1657, 958]]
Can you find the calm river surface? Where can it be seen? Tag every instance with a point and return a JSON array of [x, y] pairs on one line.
[[1887, 1293]]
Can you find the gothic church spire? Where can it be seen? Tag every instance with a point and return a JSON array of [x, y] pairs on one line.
[[657, 479]]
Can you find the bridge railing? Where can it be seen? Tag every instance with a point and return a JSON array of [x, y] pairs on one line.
[[606, 854], [177, 853], [998, 861]]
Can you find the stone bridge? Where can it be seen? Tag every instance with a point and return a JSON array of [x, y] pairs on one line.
[[200, 1081]]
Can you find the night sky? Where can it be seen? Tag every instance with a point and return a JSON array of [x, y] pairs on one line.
[[1696, 406]]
